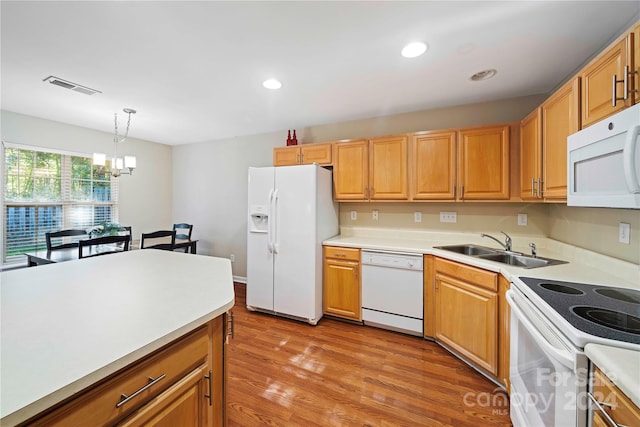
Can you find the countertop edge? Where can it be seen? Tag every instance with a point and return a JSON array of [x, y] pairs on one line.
[[69, 390]]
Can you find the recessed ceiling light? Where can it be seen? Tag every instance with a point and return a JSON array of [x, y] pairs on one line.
[[483, 75], [413, 50], [272, 84]]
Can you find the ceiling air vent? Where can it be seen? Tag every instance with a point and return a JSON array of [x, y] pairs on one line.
[[69, 85]]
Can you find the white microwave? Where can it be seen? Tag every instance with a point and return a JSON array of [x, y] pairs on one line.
[[603, 163]]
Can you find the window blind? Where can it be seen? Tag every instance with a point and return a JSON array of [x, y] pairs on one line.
[[48, 191]]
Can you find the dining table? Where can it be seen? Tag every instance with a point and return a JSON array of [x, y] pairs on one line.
[[43, 256]]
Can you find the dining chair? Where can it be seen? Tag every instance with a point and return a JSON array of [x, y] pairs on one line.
[[158, 235], [183, 232], [61, 236], [127, 229], [116, 244]]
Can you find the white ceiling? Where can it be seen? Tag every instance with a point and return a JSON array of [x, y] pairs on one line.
[[194, 70]]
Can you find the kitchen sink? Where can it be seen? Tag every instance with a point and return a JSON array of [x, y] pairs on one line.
[[472, 250], [510, 258]]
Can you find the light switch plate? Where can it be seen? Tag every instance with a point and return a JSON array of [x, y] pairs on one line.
[[522, 219], [374, 215], [354, 215], [417, 217], [623, 233]]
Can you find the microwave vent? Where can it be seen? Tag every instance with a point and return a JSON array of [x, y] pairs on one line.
[[70, 85]]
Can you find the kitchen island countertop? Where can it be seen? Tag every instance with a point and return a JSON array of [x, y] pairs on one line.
[[66, 326]]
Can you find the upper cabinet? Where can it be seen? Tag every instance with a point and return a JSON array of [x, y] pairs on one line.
[[531, 157], [469, 164], [371, 170], [305, 154], [636, 61], [560, 116], [483, 163], [543, 145], [607, 82], [433, 161]]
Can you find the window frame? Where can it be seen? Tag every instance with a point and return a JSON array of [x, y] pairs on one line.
[[65, 201]]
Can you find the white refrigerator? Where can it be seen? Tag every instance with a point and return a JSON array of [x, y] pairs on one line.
[[291, 211]]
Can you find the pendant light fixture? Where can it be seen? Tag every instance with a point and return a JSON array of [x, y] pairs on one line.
[[119, 165]]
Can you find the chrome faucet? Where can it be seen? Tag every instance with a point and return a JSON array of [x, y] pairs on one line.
[[507, 241], [534, 252]]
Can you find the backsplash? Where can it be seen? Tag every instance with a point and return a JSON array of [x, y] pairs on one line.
[[593, 229]]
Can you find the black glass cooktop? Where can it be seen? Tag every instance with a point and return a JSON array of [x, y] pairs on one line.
[[599, 310]]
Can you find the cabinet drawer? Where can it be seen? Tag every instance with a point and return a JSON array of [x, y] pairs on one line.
[[477, 276], [342, 253], [96, 406], [622, 409]]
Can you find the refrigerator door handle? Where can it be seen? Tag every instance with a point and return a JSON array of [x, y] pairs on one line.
[[270, 223], [274, 243]]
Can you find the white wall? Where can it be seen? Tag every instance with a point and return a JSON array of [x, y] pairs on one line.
[[145, 197]]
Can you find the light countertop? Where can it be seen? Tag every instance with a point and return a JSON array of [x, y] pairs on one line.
[[584, 266], [67, 325], [620, 365]]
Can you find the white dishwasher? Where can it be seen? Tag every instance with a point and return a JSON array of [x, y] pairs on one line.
[[392, 291]]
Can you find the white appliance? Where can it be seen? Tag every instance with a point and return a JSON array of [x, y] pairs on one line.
[[392, 291], [291, 211], [551, 321], [603, 162]]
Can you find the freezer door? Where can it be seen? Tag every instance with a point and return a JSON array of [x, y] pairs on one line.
[[296, 278], [259, 255]]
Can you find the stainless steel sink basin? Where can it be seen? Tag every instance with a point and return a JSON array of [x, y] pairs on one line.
[[498, 255], [472, 250]]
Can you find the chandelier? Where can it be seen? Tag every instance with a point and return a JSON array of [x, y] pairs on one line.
[[119, 165]]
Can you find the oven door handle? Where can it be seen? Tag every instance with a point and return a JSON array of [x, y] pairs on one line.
[[563, 357]]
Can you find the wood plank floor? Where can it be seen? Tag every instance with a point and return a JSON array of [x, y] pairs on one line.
[[288, 373]]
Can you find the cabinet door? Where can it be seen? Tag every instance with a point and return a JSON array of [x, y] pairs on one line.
[[389, 178], [351, 170], [466, 321], [342, 289], [530, 157], [183, 404], [597, 86], [560, 118], [316, 153], [433, 166], [484, 163], [636, 63], [504, 337], [286, 156]]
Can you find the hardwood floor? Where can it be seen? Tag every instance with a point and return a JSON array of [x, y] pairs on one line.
[[288, 373]]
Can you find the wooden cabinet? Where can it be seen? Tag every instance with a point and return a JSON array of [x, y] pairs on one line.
[[636, 63], [182, 381], [341, 280], [598, 88], [371, 170], [433, 165], [543, 145], [483, 163], [560, 116], [504, 332], [616, 404], [305, 154], [531, 157], [466, 312]]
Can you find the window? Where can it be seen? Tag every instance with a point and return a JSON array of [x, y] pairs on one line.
[[46, 191]]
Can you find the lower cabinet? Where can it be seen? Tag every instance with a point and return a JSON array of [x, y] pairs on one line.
[[614, 404], [466, 312], [341, 287], [180, 384]]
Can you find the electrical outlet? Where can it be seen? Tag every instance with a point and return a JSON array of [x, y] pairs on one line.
[[354, 215], [374, 215], [448, 217], [232, 257], [417, 217], [522, 219], [623, 233]]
